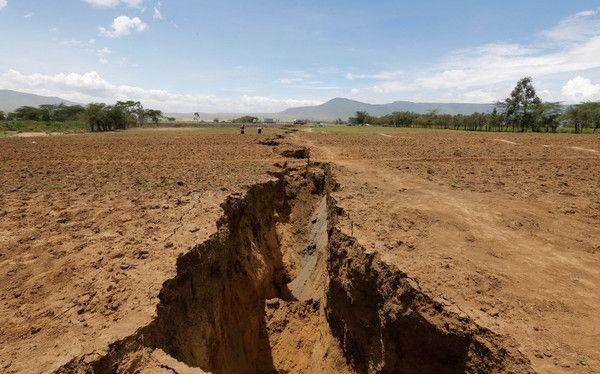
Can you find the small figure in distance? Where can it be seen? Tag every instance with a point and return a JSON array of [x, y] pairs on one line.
[[242, 129], [259, 130]]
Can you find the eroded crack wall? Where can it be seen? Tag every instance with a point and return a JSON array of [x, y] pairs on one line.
[[279, 288], [386, 324]]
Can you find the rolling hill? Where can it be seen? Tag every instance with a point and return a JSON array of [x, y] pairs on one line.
[[11, 100], [344, 108]]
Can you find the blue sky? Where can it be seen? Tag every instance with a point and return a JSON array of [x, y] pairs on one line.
[[242, 56]]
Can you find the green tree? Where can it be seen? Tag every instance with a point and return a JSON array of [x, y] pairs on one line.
[[2, 116], [95, 114], [28, 113], [591, 115], [575, 117], [519, 106], [63, 113], [361, 118], [135, 111], [547, 116], [154, 115], [246, 119]]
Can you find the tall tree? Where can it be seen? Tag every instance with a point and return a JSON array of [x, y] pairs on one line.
[[134, 109], [519, 106], [591, 114], [546, 116], [154, 114], [360, 119]]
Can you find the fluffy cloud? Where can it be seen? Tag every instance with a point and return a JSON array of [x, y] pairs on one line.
[[576, 27], [581, 89], [91, 87], [488, 72], [114, 3], [2, 4], [122, 26]]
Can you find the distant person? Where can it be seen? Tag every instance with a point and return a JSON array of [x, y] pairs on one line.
[[242, 129], [259, 130]]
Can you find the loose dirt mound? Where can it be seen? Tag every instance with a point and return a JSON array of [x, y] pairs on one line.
[[296, 153], [280, 289]]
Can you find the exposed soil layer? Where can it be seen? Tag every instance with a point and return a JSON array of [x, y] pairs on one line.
[[279, 288]]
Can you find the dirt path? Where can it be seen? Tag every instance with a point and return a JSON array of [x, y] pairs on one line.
[[489, 255]]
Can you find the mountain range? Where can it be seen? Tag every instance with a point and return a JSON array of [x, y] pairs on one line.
[[344, 108], [328, 111], [11, 100]]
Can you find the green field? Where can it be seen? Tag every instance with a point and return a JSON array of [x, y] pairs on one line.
[[345, 129], [16, 127]]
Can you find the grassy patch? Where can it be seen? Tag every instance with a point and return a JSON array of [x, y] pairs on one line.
[[208, 130], [344, 129], [10, 127]]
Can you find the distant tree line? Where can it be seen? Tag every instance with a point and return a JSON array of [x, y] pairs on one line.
[[246, 119], [522, 111], [99, 116]]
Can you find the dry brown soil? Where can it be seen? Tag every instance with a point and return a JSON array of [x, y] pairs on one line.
[[91, 226], [503, 227], [426, 251]]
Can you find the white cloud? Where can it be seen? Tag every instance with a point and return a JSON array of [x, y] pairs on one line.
[[383, 75], [576, 27], [102, 55], [3, 4], [28, 15], [581, 89], [114, 3], [89, 46], [157, 12], [122, 26], [299, 80], [288, 80], [487, 73], [91, 87], [78, 43]]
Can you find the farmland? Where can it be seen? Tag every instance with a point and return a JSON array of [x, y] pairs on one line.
[[387, 249]]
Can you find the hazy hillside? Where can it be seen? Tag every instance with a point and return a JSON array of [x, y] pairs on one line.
[[11, 100], [344, 108]]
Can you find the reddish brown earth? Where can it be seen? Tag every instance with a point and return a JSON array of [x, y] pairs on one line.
[[442, 251], [503, 227], [91, 226]]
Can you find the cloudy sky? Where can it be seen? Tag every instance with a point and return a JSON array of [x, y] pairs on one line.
[[259, 56]]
